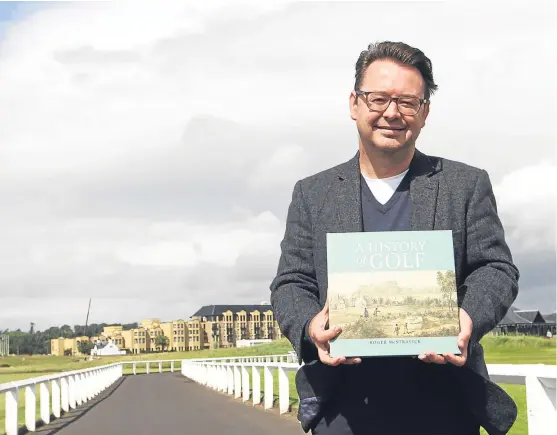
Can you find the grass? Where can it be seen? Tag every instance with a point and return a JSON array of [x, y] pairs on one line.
[[519, 350], [39, 364], [498, 350]]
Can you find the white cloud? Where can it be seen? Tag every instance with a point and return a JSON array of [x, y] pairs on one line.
[[101, 246], [150, 153], [527, 205], [281, 169], [183, 245]]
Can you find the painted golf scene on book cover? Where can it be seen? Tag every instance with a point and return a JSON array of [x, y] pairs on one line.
[[404, 304], [392, 293]]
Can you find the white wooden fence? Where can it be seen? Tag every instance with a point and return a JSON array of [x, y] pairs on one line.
[[68, 390], [240, 377], [148, 364], [232, 376], [65, 391]]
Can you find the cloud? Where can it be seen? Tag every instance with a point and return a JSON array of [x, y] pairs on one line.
[[282, 168], [149, 154], [125, 257], [128, 266], [527, 202]]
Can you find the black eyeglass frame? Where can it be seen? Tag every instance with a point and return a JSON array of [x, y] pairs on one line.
[[365, 94]]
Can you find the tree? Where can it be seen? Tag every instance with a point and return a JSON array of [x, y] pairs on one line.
[[84, 347], [66, 331], [447, 285], [162, 341], [17, 342]]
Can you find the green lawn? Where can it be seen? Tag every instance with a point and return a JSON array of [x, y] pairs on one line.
[[498, 350], [519, 350]]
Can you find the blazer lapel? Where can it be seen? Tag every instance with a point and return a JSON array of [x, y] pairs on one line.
[[346, 198], [423, 193]]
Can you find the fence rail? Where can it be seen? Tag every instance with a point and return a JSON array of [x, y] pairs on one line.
[[57, 393], [240, 377], [149, 363], [232, 376]]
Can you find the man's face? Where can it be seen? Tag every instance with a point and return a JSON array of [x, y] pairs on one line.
[[389, 130]]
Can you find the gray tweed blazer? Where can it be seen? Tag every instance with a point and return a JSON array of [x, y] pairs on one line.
[[446, 195]]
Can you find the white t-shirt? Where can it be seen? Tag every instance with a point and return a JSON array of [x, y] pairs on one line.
[[383, 188]]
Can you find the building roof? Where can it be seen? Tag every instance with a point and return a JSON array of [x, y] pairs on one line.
[[218, 310], [517, 316], [549, 318], [511, 318], [533, 316]]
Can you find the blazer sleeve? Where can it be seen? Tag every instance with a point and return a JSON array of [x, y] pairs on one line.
[[294, 290], [492, 279]]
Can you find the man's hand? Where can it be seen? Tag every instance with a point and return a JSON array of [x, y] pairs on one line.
[[463, 339], [321, 337]]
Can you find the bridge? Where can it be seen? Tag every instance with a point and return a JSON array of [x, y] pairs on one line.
[[241, 395]]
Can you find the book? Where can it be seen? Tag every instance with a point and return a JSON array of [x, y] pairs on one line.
[[392, 293]]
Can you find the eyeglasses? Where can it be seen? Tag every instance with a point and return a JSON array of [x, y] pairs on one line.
[[378, 102]]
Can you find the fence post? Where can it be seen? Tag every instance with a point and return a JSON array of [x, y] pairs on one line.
[[30, 407], [245, 382], [268, 382], [540, 402], [11, 411], [45, 402], [55, 386], [237, 382], [284, 393], [256, 388]]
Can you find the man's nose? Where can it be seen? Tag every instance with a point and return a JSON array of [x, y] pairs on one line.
[[391, 111]]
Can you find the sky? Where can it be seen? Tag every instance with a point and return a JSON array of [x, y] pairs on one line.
[[148, 154]]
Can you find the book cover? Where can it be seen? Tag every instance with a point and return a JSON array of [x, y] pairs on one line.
[[393, 293]]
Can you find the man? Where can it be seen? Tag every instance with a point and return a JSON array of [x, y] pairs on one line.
[[391, 186]]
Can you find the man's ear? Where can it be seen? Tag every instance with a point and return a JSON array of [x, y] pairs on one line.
[[425, 114], [353, 104]]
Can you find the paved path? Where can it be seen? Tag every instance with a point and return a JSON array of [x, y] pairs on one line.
[[168, 404]]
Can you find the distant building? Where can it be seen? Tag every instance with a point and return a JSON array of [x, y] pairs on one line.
[[210, 327], [138, 340], [67, 346], [528, 322], [106, 348], [217, 326]]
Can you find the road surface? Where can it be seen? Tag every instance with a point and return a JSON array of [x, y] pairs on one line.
[[168, 404]]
